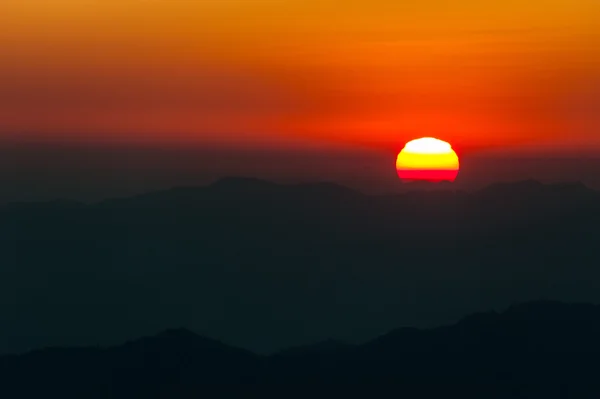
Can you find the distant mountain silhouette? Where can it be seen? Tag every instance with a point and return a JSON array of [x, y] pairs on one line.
[[327, 346], [532, 350], [268, 266]]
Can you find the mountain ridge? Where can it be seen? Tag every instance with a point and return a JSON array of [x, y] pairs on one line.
[[466, 362], [244, 185], [526, 311], [351, 266]]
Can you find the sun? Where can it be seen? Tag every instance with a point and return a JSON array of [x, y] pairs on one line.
[[427, 159]]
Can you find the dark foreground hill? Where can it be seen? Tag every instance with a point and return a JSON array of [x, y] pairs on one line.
[[266, 266], [534, 350]]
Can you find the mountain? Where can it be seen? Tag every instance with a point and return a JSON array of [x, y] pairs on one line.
[[532, 350], [166, 365], [267, 266]]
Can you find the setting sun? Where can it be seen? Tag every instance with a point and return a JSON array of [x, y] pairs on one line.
[[427, 159]]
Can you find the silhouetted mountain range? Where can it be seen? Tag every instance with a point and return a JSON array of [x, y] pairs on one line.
[[532, 350], [267, 266]]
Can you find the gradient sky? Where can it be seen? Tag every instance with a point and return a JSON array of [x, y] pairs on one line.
[[302, 72]]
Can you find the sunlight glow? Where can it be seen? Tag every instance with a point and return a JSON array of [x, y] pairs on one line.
[[427, 159]]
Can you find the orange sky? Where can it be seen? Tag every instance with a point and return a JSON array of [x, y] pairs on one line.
[[303, 72]]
